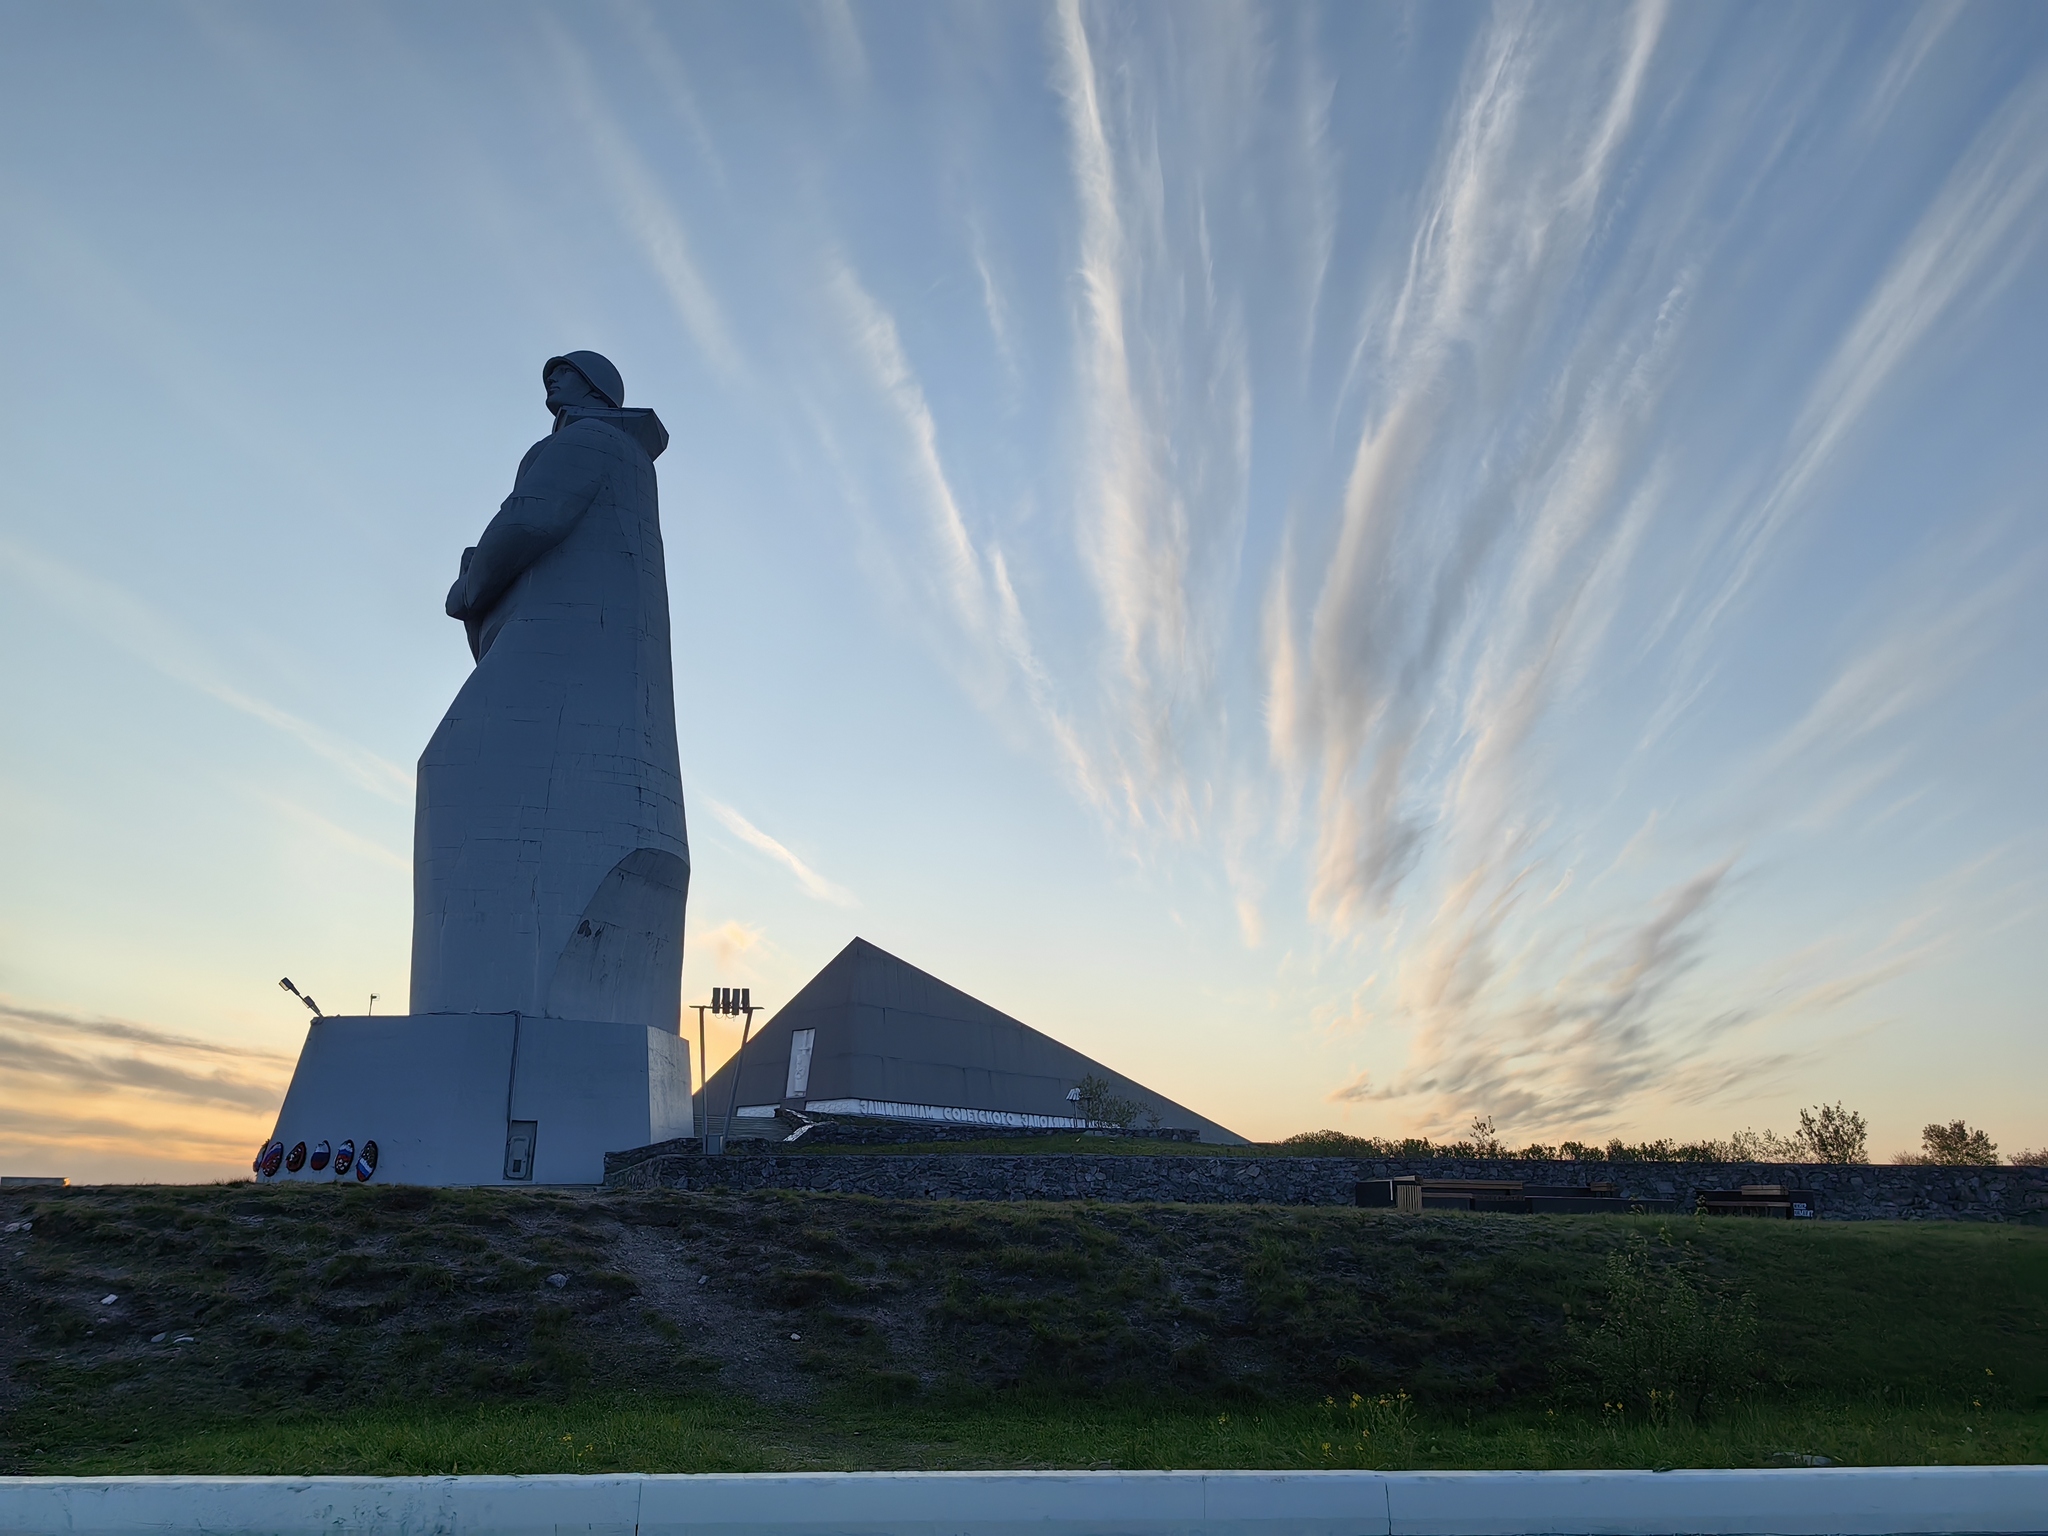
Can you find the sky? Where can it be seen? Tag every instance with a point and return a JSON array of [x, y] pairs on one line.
[[1364, 565]]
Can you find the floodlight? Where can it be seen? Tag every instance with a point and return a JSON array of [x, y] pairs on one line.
[[286, 983]]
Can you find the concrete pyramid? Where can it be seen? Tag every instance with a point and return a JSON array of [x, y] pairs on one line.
[[873, 1035]]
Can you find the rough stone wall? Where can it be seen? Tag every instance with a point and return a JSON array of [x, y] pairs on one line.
[[1858, 1192]]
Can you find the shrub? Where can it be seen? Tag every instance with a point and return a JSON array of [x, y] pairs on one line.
[[1827, 1134], [1100, 1105], [1956, 1145], [1666, 1341], [1832, 1134], [1485, 1143], [2033, 1157], [1662, 1150], [1334, 1143], [1765, 1146]]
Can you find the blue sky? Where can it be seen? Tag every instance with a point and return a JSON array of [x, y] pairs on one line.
[[1364, 565]]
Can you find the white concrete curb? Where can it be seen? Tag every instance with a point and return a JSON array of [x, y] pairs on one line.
[[1842, 1501]]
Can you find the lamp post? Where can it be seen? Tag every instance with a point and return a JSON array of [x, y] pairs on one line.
[[727, 1000], [702, 1124]]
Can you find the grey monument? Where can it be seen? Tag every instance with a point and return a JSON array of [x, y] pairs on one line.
[[550, 861]]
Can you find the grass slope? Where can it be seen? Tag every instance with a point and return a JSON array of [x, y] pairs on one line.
[[385, 1330]]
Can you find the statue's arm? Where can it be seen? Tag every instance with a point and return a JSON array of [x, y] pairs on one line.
[[550, 497]]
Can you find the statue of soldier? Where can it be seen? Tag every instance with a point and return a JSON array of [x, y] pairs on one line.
[[550, 860]]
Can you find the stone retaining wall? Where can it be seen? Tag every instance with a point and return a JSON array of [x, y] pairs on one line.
[[1858, 1192]]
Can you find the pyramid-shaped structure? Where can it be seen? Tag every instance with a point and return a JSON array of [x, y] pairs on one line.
[[873, 1035]]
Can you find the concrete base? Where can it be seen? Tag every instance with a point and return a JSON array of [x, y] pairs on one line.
[[482, 1098]]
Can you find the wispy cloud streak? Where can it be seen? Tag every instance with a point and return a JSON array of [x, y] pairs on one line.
[[973, 578], [1165, 391], [66, 1053], [1516, 451], [1975, 236], [1499, 237], [814, 884], [153, 639], [647, 211]]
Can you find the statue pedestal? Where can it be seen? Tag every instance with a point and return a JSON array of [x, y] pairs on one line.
[[483, 1098]]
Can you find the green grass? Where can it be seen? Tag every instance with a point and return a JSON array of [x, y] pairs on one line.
[[401, 1329], [713, 1434], [1899, 1306]]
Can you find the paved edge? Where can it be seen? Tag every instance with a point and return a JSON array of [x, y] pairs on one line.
[[1841, 1501]]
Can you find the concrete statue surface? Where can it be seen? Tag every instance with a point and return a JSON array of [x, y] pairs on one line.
[[550, 861]]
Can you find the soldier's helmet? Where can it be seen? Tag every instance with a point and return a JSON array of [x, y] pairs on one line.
[[597, 371]]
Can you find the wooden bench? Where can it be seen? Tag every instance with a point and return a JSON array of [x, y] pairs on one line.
[[1501, 1197], [1772, 1202]]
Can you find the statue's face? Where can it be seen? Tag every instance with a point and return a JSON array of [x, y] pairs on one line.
[[568, 387]]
